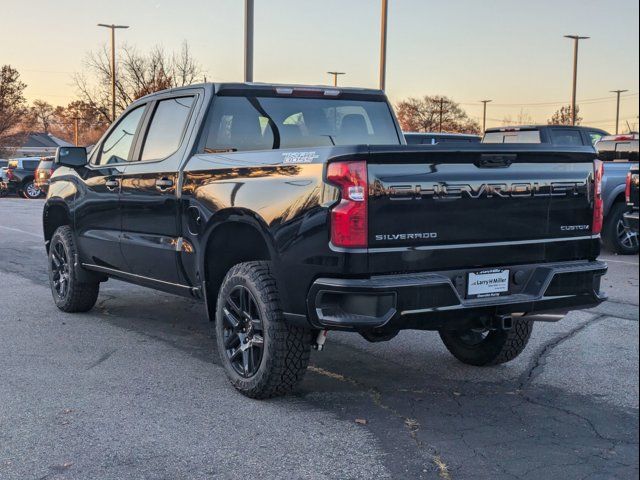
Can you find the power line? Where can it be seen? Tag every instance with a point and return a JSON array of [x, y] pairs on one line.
[[549, 104]]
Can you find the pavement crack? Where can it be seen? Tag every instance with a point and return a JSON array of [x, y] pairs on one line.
[[410, 424], [536, 367]]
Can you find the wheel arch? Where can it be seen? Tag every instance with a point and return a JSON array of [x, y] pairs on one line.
[[54, 215], [617, 195], [231, 236]]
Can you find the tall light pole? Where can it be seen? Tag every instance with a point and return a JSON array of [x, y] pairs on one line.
[[576, 39], [618, 92], [248, 40], [113, 65], [335, 77], [383, 44], [484, 114]]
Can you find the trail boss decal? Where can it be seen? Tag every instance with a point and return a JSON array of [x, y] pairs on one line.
[[299, 157]]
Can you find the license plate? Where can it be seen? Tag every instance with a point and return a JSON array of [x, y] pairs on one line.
[[488, 283]]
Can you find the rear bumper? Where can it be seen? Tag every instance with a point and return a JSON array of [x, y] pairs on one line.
[[435, 300], [631, 220]]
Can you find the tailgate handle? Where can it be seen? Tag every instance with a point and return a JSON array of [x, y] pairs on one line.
[[495, 160]]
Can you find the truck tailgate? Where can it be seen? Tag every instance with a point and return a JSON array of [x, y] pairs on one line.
[[478, 206]]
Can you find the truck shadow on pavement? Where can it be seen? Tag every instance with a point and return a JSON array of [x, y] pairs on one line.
[[429, 426]]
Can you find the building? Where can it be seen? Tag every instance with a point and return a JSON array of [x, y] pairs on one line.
[[35, 144]]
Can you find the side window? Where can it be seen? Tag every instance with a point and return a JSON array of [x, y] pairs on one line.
[[565, 138], [30, 164], [236, 125], [116, 147], [595, 137], [167, 128]]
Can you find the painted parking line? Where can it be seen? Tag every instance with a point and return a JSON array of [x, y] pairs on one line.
[[619, 261], [21, 231]]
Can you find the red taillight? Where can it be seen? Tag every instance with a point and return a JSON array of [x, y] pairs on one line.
[[627, 191], [349, 217], [598, 206]]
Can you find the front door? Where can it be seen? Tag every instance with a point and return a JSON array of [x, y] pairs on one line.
[[98, 215], [151, 239]]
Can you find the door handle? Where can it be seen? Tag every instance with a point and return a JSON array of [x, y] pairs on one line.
[[163, 184], [112, 185]]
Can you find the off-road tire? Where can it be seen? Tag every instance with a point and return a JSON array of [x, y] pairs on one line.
[[286, 350], [79, 296], [610, 234], [499, 346]]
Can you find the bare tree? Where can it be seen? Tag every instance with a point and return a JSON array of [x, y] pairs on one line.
[[563, 116], [434, 113], [137, 74], [12, 103], [40, 116], [523, 118]]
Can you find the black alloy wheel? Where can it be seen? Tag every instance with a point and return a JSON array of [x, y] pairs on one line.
[[71, 293], [60, 270], [243, 331]]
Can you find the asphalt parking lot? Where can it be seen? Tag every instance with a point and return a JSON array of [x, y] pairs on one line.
[[133, 390]]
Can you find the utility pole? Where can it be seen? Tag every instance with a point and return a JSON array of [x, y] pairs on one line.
[[335, 77], [75, 131], [248, 40], [576, 39], [383, 44], [441, 112], [484, 114], [113, 65], [618, 92]]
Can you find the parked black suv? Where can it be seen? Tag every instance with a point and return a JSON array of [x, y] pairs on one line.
[[20, 177], [559, 135], [291, 211]]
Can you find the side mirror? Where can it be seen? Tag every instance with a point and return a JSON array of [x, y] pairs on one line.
[[71, 156]]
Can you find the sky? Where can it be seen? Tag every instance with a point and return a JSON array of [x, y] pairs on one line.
[[510, 51]]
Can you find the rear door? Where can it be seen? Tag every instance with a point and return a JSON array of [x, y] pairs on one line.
[[98, 214], [469, 207], [151, 234]]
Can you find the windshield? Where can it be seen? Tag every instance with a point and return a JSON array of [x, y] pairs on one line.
[[264, 123]]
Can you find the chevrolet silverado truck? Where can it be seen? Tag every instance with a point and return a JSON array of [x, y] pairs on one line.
[[619, 153], [291, 211], [615, 150]]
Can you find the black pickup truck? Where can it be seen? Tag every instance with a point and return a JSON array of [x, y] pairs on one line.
[[291, 211]]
